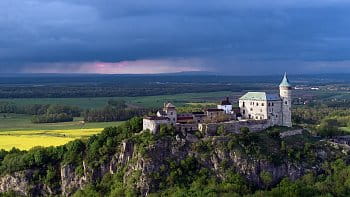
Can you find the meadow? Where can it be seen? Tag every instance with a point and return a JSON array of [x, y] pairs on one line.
[[139, 101], [17, 130]]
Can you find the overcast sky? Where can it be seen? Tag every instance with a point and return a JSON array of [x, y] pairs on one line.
[[155, 36]]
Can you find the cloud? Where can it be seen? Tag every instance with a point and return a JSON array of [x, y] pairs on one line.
[[123, 67], [222, 36]]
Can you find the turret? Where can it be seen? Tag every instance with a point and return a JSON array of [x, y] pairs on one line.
[[286, 96], [170, 111]]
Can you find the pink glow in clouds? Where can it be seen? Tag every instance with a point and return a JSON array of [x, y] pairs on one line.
[[123, 67]]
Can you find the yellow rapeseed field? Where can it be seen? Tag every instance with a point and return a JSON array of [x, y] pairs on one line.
[[28, 139]]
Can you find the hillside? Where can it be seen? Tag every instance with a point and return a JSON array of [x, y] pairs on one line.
[[122, 162]]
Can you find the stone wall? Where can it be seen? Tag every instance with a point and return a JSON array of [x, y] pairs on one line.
[[186, 127], [291, 133], [234, 126]]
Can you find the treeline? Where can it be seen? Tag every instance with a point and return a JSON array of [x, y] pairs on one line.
[[39, 109], [117, 90], [52, 118], [115, 111], [314, 115], [323, 121], [43, 113]]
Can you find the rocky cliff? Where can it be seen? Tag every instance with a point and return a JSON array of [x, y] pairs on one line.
[[139, 166]]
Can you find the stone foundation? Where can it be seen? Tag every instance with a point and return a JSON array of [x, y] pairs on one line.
[[234, 126]]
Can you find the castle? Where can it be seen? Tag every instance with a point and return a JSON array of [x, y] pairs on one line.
[[256, 110]]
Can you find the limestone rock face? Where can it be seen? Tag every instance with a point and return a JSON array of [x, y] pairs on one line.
[[70, 181], [16, 182], [19, 182], [140, 167]]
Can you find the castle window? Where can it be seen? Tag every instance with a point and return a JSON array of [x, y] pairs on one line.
[[272, 104], [251, 109], [171, 113], [269, 104], [257, 104], [286, 102], [243, 104], [243, 111], [262, 104]]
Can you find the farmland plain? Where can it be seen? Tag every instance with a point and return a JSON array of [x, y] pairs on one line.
[[17, 130], [140, 101]]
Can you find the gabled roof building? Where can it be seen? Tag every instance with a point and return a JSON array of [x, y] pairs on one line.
[[274, 107]]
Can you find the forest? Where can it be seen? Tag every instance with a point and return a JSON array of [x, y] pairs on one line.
[[188, 177]]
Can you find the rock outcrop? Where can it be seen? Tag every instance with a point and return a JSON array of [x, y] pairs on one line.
[[142, 166]]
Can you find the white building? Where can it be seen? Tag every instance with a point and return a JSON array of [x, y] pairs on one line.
[[164, 117], [274, 107], [226, 106], [169, 111], [153, 123]]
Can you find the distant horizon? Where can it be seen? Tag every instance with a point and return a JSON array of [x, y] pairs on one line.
[[183, 73]]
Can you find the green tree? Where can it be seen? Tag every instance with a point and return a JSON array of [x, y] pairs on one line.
[[266, 178], [329, 127]]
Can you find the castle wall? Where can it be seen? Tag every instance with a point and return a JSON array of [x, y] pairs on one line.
[[291, 133], [234, 126], [274, 112], [252, 109], [153, 125], [186, 127]]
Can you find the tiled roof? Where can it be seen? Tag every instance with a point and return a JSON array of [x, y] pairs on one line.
[[214, 109], [156, 118], [185, 118], [260, 96], [198, 112]]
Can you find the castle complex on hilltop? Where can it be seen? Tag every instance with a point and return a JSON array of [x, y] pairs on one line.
[[257, 111]]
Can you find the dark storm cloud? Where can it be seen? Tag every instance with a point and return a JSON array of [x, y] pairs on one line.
[[235, 36]]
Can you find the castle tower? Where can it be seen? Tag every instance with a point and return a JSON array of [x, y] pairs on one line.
[[286, 96], [170, 111]]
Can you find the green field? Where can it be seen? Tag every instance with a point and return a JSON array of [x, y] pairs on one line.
[[144, 101], [25, 140], [16, 122], [18, 131], [345, 129]]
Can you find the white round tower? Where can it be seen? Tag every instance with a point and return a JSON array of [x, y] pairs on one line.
[[286, 96]]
